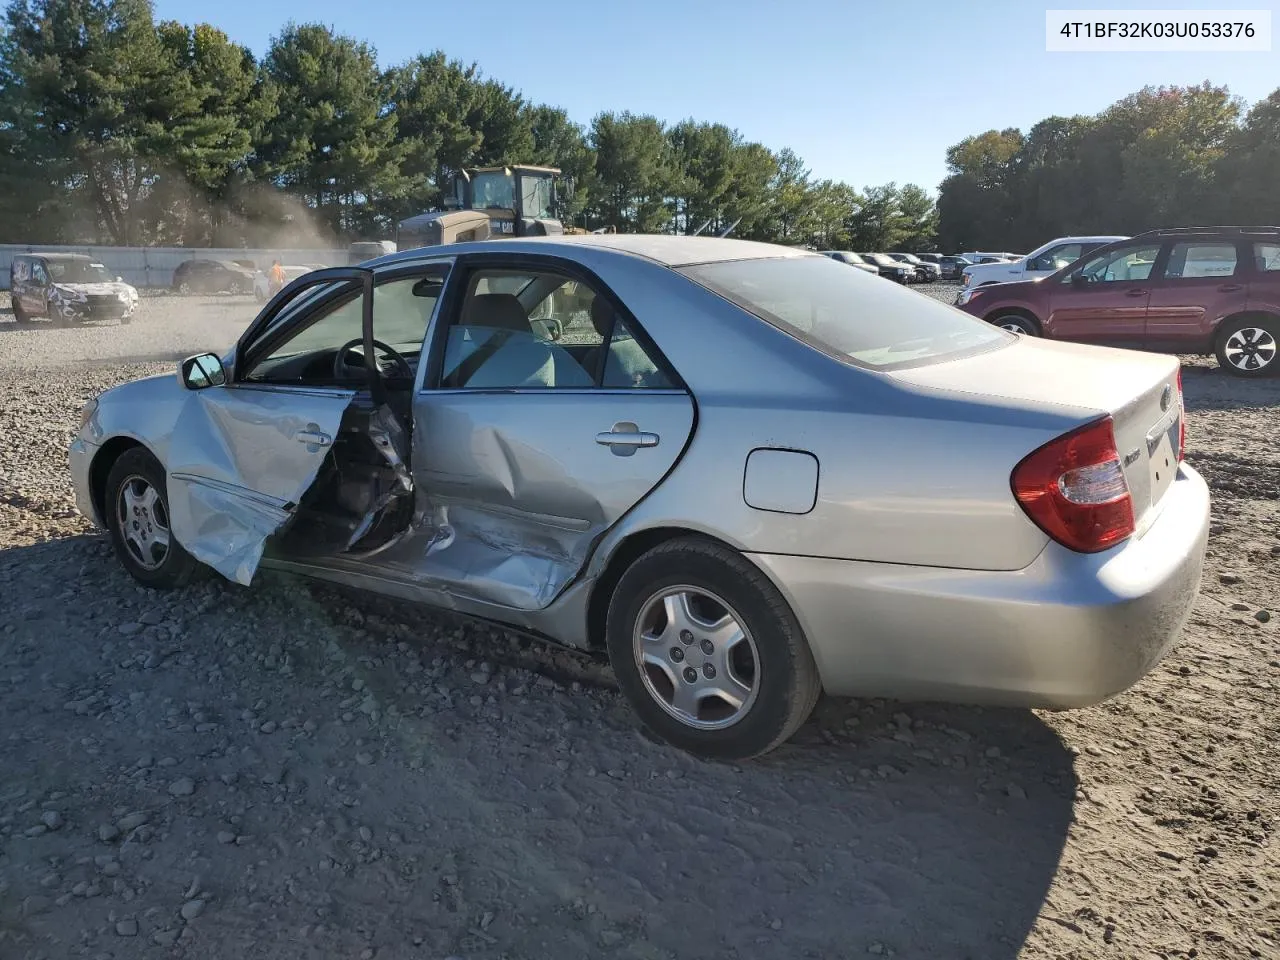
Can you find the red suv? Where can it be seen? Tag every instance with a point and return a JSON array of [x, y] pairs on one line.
[[1191, 290]]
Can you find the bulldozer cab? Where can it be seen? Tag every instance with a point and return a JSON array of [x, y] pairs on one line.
[[485, 202], [519, 201]]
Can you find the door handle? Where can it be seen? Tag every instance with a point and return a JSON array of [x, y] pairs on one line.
[[1230, 287], [313, 437], [625, 438], [1135, 293]]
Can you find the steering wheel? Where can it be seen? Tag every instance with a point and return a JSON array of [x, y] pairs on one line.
[[340, 363]]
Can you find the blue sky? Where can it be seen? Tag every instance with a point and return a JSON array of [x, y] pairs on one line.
[[865, 92]]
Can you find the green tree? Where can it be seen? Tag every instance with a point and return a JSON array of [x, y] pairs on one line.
[[792, 199], [633, 172], [748, 199], [224, 107], [91, 98], [559, 142], [702, 156], [918, 216], [334, 145], [1246, 172]]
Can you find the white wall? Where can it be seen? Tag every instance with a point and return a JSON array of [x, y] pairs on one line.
[[154, 266]]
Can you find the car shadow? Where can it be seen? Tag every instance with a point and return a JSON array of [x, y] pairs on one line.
[[882, 828], [1206, 386], [926, 829]]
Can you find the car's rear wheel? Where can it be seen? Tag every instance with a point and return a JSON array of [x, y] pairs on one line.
[[708, 652], [136, 511], [1248, 347], [19, 315], [184, 287]]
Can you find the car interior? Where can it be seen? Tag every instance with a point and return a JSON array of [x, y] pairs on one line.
[[514, 330]]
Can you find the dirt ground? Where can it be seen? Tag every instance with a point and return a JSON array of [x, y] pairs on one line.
[[292, 771]]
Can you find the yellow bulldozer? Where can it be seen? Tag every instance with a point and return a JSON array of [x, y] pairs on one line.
[[485, 202]]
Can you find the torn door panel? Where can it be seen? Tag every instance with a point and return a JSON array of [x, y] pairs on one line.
[[221, 525], [361, 503], [239, 460]]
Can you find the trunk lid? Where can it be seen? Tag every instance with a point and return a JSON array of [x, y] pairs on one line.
[[1139, 390]]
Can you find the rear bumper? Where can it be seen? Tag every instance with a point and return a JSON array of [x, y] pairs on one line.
[[1069, 630]]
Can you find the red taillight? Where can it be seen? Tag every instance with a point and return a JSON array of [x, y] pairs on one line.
[[1074, 489], [1182, 420]]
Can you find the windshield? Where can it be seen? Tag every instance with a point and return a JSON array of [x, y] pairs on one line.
[[535, 197], [846, 313], [78, 271], [493, 191]]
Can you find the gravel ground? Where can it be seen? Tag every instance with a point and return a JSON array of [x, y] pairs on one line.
[[296, 771]]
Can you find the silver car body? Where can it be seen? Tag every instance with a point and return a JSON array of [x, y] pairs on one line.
[[878, 501]]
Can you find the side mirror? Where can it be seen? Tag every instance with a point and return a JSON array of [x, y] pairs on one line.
[[1078, 281], [202, 371]]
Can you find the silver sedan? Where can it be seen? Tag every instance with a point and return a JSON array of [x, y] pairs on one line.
[[748, 472]]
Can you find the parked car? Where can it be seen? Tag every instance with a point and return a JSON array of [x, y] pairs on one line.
[[1205, 290], [991, 523], [925, 272], [212, 276], [952, 266], [852, 259], [66, 288], [984, 256], [889, 267], [262, 282], [1040, 262]]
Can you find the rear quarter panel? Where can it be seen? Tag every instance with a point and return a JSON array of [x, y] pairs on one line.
[[906, 474]]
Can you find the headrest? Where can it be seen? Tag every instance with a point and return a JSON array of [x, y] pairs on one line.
[[602, 316], [501, 310]]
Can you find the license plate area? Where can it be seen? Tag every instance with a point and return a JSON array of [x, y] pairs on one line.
[[1162, 452]]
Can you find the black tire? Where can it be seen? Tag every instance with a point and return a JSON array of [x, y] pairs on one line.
[[184, 288], [785, 680], [55, 316], [177, 568], [1017, 323], [19, 315], [1248, 347]]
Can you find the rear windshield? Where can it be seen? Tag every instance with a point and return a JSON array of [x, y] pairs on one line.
[[848, 314]]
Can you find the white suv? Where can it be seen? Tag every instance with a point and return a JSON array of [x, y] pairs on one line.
[[1038, 263]]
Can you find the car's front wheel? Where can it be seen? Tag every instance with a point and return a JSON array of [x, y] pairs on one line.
[[1016, 323], [19, 315], [1248, 346], [137, 516], [708, 652]]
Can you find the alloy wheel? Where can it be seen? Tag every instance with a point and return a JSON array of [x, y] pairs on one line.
[[1250, 349], [696, 658], [143, 522]]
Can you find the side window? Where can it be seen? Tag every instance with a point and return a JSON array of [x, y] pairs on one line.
[[629, 366], [38, 273], [1266, 257], [401, 311], [1057, 257], [1189, 260], [1118, 266], [522, 330]]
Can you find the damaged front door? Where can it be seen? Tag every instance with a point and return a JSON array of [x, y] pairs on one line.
[[545, 421], [243, 452]]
